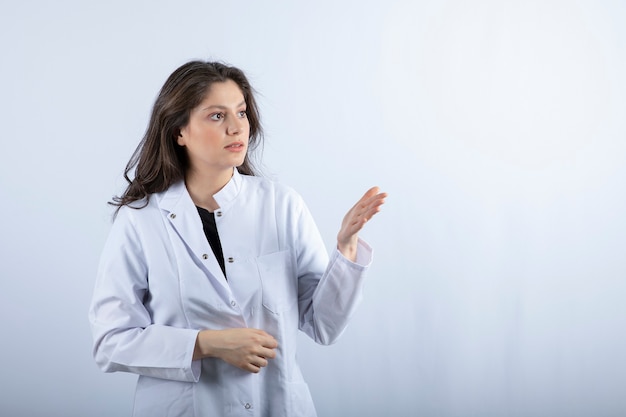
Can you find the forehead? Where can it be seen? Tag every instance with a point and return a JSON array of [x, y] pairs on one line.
[[225, 93]]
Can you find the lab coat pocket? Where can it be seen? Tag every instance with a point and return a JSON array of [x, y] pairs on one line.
[[278, 280]]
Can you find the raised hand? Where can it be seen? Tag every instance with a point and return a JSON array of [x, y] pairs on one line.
[[356, 218]]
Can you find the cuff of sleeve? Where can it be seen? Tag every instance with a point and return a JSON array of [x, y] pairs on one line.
[[196, 366], [364, 255]]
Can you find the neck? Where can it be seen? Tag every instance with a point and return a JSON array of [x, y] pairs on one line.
[[203, 186]]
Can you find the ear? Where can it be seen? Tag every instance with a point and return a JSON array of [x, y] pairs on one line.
[[180, 139]]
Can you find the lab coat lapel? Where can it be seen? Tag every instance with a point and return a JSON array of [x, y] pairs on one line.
[[180, 211]]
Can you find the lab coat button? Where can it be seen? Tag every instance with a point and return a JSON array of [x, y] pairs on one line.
[[205, 256], [218, 213], [172, 215], [233, 303], [231, 260], [248, 406]]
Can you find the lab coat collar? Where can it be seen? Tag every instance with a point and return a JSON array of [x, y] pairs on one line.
[[169, 199], [177, 194], [227, 195], [182, 214]]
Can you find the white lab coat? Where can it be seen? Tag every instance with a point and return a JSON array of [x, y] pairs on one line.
[[159, 283]]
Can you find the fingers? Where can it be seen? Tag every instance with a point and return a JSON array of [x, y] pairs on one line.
[[267, 353], [371, 199], [369, 193], [253, 351], [373, 192], [268, 341], [366, 208], [255, 364], [259, 360]]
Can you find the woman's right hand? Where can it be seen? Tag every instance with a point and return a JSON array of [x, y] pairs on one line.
[[248, 349]]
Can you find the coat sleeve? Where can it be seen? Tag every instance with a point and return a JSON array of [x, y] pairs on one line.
[[329, 291], [125, 339]]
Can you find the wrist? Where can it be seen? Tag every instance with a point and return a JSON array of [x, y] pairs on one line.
[[203, 347], [349, 249]]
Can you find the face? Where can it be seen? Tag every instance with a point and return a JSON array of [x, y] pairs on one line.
[[216, 137]]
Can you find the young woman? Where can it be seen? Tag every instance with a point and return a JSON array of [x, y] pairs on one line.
[[209, 271]]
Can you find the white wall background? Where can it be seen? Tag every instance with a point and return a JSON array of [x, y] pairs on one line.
[[497, 127]]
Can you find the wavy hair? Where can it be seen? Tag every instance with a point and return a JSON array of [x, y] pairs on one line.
[[159, 161]]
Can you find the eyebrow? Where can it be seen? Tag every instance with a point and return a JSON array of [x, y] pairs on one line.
[[220, 107]]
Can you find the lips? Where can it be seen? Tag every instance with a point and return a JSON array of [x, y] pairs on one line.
[[235, 146]]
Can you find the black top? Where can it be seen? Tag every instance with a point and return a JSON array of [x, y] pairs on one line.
[[210, 231]]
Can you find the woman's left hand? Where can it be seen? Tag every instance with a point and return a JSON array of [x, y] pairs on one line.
[[355, 219]]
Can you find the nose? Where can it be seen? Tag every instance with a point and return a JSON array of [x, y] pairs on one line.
[[235, 126]]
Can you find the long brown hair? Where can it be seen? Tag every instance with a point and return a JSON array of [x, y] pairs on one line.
[[158, 160]]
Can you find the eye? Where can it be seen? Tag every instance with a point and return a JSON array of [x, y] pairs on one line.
[[216, 116], [242, 114]]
